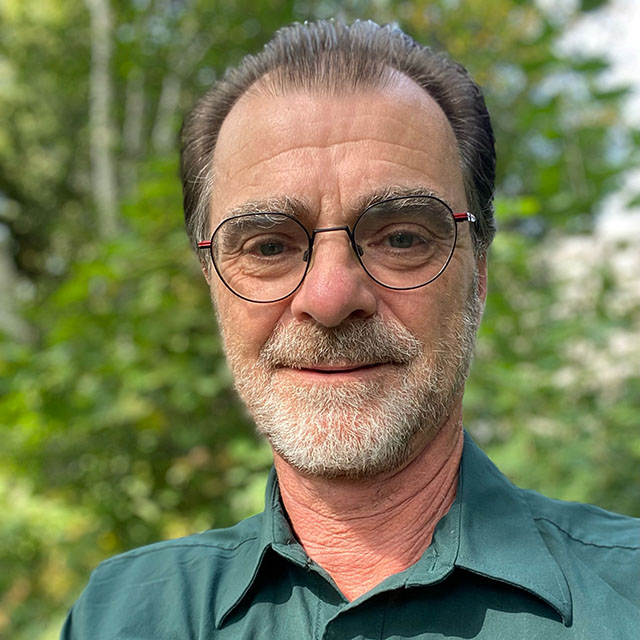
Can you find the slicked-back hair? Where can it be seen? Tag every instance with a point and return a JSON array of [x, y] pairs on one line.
[[336, 59]]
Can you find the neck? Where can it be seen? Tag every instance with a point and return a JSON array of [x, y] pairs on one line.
[[362, 531]]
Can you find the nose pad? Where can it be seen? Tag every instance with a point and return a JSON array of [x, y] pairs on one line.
[[357, 248], [308, 255]]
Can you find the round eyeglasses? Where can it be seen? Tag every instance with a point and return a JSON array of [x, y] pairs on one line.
[[402, 243]]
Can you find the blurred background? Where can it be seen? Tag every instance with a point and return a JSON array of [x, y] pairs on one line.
[[118, 425]]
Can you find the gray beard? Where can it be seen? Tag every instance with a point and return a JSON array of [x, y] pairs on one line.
[[362, 428]]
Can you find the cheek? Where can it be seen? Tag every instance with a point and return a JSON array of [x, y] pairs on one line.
[[430, 312], [245, 326], [416, 310]]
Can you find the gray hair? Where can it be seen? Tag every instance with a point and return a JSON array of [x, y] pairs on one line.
[[333, 57]]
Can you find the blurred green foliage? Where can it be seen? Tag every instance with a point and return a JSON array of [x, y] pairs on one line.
[[118, 423]]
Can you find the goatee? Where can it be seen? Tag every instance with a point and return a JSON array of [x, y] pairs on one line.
[[361, 427]]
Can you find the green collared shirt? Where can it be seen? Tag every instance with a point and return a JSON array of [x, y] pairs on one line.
[[504, 563]]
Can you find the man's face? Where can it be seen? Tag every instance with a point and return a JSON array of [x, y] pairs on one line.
[[346, 377]]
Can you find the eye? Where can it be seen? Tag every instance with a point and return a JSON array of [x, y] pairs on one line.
[[400, 237], [271, 248], [402, 240]]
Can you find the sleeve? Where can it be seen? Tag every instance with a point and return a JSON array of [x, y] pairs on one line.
[[99, 611]]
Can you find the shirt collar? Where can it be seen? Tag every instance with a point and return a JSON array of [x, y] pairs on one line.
[[499, 538], [273, 532], [489, 530]]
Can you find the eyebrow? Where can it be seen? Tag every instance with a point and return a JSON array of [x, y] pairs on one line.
[[391, 192], [295, 207]]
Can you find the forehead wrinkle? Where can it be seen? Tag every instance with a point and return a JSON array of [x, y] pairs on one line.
[[330, 146]]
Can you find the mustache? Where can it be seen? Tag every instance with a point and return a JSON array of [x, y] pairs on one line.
[[356, 342]]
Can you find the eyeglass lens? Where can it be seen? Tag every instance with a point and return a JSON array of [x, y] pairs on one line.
[[405, 242], [261, 256], [402, 243]]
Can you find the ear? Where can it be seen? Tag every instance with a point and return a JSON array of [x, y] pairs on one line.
[[205, 267]]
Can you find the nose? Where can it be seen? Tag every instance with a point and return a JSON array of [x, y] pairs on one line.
[[336, 286]]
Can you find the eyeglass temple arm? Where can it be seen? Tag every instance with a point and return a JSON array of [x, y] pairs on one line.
[[205, 244]]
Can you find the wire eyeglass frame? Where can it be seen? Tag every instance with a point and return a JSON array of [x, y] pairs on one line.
[[464, 216]]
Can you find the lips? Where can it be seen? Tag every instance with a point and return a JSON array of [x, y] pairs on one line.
[[340, 369]]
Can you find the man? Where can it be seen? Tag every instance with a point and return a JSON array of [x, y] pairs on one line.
[[338, 188]]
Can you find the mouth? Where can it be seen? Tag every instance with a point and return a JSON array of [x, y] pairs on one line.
[[338, 374], [333, 370]]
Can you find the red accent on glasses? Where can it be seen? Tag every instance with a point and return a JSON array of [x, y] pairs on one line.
[[464, 216]]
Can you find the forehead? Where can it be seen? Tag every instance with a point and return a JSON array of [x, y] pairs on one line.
[[330, 151]]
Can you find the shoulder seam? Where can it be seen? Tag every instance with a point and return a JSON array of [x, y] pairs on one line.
[[161, 547], [591, 544]]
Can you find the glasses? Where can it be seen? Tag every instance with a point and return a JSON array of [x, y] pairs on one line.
[[402, 243]]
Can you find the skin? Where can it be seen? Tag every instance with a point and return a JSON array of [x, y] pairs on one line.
[[330, 152]]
